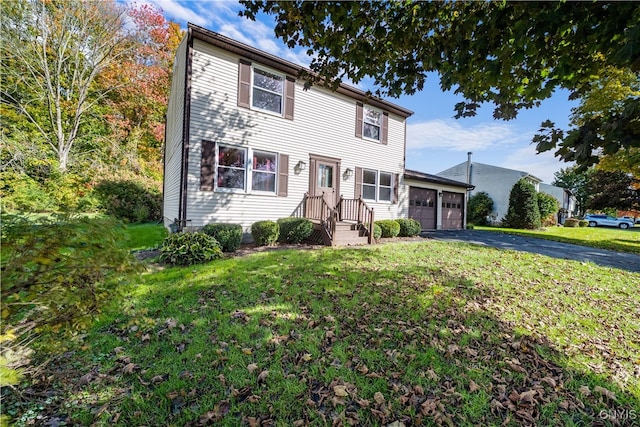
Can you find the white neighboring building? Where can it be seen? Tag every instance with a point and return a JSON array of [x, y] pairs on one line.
[[497, 182]]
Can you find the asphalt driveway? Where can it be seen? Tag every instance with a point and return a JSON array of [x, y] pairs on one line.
[[603, 257]]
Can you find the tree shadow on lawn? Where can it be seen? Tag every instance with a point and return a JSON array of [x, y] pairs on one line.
[[336, 337]]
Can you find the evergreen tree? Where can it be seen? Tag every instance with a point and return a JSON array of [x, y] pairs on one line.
[[523, 209]]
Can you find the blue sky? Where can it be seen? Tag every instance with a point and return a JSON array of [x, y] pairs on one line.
[[435, 140]]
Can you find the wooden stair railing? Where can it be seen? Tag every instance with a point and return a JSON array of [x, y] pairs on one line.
[[357, 210], [317, 208]]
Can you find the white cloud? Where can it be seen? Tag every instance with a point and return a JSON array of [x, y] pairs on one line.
[[526, 159], [450, 135], [176, 12]]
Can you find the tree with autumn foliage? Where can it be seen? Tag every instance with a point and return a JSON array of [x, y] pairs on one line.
[[142, 81], [84, 92]]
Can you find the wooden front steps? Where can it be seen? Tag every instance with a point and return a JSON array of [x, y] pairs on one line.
[[346, 234]]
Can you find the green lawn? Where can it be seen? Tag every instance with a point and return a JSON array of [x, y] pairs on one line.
[[425, 333], [143, 236], [596, 237]]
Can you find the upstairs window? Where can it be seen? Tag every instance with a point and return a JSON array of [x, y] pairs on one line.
[[268, 91], [372, 124]]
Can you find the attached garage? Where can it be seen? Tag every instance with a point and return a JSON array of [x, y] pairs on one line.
[[452, 211], [422, 206], [437, 203]]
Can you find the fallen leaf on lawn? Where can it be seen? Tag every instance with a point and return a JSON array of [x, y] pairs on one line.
[[329, 318], [219, 411], [263, 375], [363, 369], [246, 351], [396, 424], [417, 389], [608, 393], [171, 323], [549, 381], [118, 350], [157, 379], [473, 386], [252, 367], [584, 390], [129, 368], [306, 357], [330, 334], [146, 337], [378, 397], [310, 402], [340, 391], [431, 374]]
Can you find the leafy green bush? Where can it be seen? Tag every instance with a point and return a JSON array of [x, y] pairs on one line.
[[377, 231], [572, 222], [294, 230], [189, 248], [470, 226], [523, 212], [265, 233], [479, 208], [21, 193], [390, 228], [548, 207], [229, 236], [583, 223], [56, 270], [129, 201], [408, 227]]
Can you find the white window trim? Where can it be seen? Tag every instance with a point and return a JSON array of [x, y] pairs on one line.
[[248, 172], [364, 122], [282, 95], [378, 186]]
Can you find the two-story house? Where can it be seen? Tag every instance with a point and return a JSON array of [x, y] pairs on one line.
[[245, 141]]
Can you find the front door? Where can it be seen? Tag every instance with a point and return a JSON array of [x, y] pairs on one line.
[[324, 178]]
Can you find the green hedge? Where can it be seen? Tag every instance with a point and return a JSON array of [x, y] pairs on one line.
[[294, 230], [390, 227], [265, 233], [229, 236], [189, 248], [571, 222], [129, 201], [408, 227]]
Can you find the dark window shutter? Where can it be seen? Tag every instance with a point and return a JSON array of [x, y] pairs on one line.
[[283, 175], [396, 184], [357, 191], [359, 111], [244, 83], [289, 93], [385, 128], [207, 165]]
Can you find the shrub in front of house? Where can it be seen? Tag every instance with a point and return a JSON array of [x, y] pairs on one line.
[[408, 227], [583, 223], [294, 230], [390, 228], [479, 208], [189, 248], [129, 201], [265, 233], [572, 222], [229, 236]]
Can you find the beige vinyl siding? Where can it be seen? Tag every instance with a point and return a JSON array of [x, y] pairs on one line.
[[173, 143], [323, 125]]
